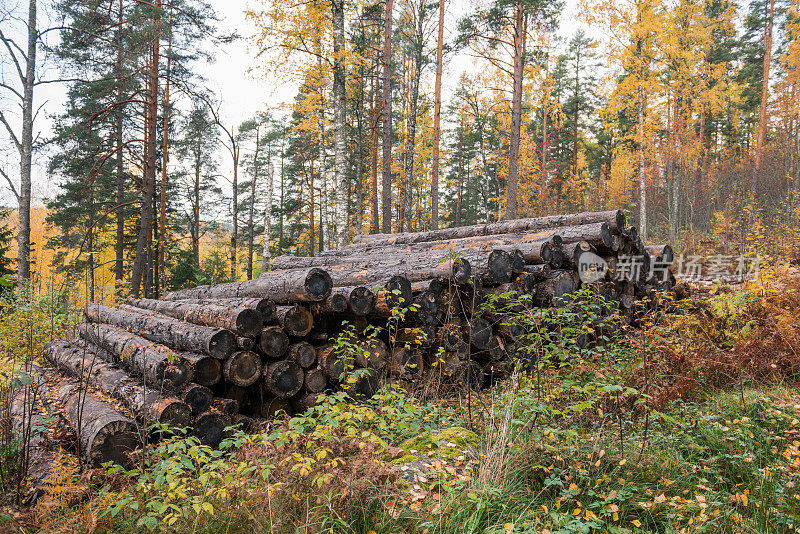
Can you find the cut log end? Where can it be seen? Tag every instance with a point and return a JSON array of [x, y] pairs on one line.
[[242, 368], [210, 428], [315, 381], [249, 322], [198, 398], [274, 342], [318, 284], [114, 442], [283, 379], [398, 292], [222, 344], [303, 354], [361, 301], [296, 320], [174, 414], [207, 371]]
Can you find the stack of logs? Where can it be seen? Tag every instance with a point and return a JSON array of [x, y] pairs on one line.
[[209, 357]]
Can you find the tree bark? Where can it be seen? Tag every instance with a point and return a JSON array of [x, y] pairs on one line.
[[119, 244], [242, 320], [437, 119], [156, 364], [82, 361], [263, 306], [140, 263], [614, 218], [265, 264], [516, 111], [386, 177], [167, 331], [340, 127], [284, 287], [251, 211]]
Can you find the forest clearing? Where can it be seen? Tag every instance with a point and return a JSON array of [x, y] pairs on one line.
[[400, 266]]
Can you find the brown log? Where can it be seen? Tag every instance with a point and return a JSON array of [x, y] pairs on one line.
[[240, 395], [557, 290], [225, 406], [406, 361], [371, 354], [304, 402], [615, 219], [210, 428], [273, 342], [197, 397], [362, 384], [315, 381], [411, 267], [170, 332], [247, 424], [242, 368], [36, 426], [360, 299], [596, 234], [272, 407], [263, 306], [283, 379], [295, 320], [336, 303], [557, 258], [281, 287], [332, 364], [662, 253], [480, 333], [242, 320], [206, 370], [156, 364], [393, 293], [452, 339], [82, 361], [247, 343], [104, 434], [303, 354]]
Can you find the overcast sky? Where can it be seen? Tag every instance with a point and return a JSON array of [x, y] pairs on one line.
[[242, 94]]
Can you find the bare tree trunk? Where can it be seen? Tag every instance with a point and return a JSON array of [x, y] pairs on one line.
[[140, 264], [26, 152], [119, 251], [516, 112], [162, 223], [268, 219], [235, 206], [762, 118], [457, 219], [377, 112], [386, 178], [250, 224], [437, 122], [641, 95], [408, 186], [196, 211], [340, 127]]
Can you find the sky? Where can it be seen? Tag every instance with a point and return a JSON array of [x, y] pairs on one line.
[[243, 94]]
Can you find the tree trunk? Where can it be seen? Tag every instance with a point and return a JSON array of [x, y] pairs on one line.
[[295, 320], [437, 119], [761, 138], [170, 332], [235, 206], [265, 307], [386, 179], [250, 223], [516, 112], [265, 264], [81, 361], [140, 263], [162, 223], [119, 244], [284, 287], [642, 106], [244, 321], [360, 299], [408, 186], [104, 434], [324, 236], [614, 218], [378, 112], [340, 126], [303, 354], [206, 370], [210, 427]]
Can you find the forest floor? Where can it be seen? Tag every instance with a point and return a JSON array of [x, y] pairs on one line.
[[690, 423]]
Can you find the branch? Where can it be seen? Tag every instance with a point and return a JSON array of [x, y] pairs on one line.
[[10, 131], [8, 42], [10, 184]]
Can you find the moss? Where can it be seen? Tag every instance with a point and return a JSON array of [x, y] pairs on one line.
[[448, 442], [404, 459]]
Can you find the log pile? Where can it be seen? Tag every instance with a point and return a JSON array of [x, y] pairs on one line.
[[409, 305]]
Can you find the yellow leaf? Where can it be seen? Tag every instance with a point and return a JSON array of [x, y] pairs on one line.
[[616, 516], [576, 512], [508, 527], [636, 523], [544, 508], [623, 462]]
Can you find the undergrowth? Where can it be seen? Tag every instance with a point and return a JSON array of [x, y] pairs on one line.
[[687, 424]]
